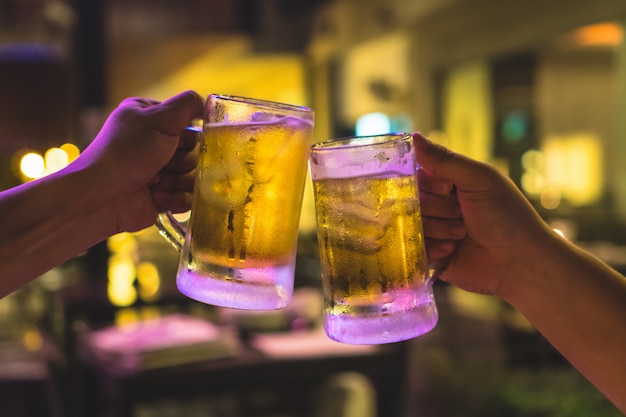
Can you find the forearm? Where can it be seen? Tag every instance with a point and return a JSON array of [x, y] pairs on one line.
[[47, 222], [579, 304]]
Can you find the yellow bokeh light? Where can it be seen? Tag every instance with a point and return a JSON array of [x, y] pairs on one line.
[[550, 198], [121, 293], [123, 244], [574, 166], [149, 281], [533, 160], [71, 150], [532, 182], [121, 268], [121, 274], [55, 159], [150, 312], [126, 316], [32, 340], [32, 165]]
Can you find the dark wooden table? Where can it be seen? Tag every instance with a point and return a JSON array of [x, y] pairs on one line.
[[260, 384]]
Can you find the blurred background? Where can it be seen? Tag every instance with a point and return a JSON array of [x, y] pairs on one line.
[[535, 87]]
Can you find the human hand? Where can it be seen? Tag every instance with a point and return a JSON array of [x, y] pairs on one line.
[[500, 225], [145, 159]]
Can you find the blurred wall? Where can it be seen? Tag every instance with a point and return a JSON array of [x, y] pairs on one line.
[[159, 67], [459, 77]]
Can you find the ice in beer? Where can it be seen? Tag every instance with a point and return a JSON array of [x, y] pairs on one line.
[[374, 266], [245, 212]]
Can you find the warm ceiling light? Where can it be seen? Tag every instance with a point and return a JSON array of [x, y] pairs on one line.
[[607, 34]]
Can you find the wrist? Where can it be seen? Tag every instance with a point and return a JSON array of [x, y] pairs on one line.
[[87, 201], [534, 268]]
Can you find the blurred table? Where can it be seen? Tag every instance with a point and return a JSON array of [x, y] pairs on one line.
[[272, 375], [27, 388]]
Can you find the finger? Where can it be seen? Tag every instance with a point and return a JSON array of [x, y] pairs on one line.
[[184, 161], [138, 102], [445, 207], [188, 140], [439, 250], [433, 184], [180, 110], [443, 229], [176, 202], [462, 171], [172, 181]]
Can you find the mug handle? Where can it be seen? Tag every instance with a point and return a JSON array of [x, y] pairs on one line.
[[172, 230], [432, 276]]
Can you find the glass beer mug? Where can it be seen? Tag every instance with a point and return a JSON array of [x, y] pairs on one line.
[[238, 248], [376, 282]]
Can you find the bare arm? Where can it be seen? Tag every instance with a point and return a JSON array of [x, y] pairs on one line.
[[48, 221], [577, 302], [142, 162]]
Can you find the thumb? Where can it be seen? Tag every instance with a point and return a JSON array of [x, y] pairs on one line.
[[181, 109], [450, 166]]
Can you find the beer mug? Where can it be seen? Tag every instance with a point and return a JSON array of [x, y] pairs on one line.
[[238, 248], [375, 277]]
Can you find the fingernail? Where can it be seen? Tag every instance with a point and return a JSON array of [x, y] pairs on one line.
[[420, 141]]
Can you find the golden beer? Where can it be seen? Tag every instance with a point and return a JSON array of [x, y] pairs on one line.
[[244, 200], [374, 267], [239, 248]]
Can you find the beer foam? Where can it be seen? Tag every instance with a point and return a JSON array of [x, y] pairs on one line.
[[363, 156], [342, 166]]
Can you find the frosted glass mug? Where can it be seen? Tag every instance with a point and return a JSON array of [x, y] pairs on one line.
[[238, 249], [375, 277]]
